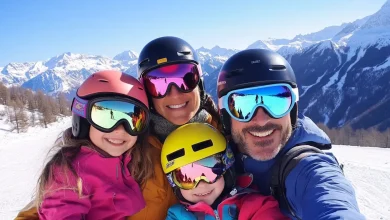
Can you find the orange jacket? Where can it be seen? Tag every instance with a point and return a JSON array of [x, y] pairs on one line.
[[157, 192]]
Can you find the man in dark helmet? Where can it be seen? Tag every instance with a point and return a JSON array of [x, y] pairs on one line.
[[279, 148]]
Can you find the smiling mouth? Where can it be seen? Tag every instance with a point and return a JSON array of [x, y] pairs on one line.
[[262, 134], [204, 194], [177, 106], [115, 141]]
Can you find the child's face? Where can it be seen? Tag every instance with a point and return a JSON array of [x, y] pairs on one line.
[[204, 192], [114, 143]]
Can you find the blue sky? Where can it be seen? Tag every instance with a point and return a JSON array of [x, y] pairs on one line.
[[37, 30]]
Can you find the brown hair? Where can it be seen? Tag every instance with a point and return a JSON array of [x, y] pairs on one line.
[[66, 149], [210, 106]]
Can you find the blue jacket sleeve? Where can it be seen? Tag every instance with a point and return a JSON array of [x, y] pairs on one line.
[[178, 212], [317, 189]]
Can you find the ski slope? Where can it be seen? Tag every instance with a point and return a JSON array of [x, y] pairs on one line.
[[22, 157]]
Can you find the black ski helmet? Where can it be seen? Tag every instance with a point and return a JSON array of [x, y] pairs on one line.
[[169, 50], [250, 68]]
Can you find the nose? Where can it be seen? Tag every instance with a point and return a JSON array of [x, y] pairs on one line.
[[260, 117], [120, 128], [202, 184], [173, 91]]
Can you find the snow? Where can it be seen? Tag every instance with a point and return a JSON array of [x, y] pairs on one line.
[[306, 88], [322, 46], [23, 156], [340, 84], [384, 65], [126, 56], [336, 47], [331, 81], [368, 168], [326, 120], [260, 45], [38, 67], [326, 33]]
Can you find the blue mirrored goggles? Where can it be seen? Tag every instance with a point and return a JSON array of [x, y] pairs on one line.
[[276, 99]]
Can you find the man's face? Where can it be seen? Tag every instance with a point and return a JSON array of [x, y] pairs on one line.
[[263, 136]]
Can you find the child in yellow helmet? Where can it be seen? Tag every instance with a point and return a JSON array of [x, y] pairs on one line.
[[198, 164]]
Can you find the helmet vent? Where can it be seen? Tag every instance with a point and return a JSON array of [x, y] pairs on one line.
[[277, 67], [183, 53], [234, 73], [202, 145], [103, 80], [143, 62], [175, 155]]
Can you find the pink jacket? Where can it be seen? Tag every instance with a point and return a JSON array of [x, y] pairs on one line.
[[108, 190]]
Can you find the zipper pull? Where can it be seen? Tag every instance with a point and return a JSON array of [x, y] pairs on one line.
[[216, 214]]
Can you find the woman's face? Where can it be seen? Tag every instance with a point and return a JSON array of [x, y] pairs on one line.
[[178, 107]]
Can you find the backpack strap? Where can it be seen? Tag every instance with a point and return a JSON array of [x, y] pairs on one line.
[[282, 167]]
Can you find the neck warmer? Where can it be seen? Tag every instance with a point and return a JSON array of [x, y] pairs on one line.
[[162, 127]]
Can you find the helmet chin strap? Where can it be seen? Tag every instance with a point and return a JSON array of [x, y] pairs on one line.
[[294, 115]]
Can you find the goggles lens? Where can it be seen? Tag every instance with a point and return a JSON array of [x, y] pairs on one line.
[[277, 100], [208, 169], [184, 75], [106, 114]]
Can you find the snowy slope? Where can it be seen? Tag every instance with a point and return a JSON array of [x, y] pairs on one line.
[[23, 157]]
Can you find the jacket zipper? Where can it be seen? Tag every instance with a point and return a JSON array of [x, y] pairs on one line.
[[216, 214]]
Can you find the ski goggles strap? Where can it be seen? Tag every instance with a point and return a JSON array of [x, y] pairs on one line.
[[185, 76], [107, 113], [277, 99]]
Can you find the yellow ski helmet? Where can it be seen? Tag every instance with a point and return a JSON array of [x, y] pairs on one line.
[[190, 143], [195, 144]]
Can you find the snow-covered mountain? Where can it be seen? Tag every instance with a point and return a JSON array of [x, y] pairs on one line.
[[346, 80], [17, 72], [62, 73], [343, 71], [128, 57], [288, 47]]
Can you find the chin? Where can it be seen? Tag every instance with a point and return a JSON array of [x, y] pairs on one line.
[[181, 121]]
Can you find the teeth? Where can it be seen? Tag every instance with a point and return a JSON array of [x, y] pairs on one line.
[[115, 141], [177, 106], [261, 134], [203, 194]]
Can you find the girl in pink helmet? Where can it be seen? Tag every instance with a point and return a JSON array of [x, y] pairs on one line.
[[96, 170]]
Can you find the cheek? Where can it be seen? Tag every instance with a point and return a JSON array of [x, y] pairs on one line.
[[187, 194], [285, 122], [236, 126], [196, 95], [133, 140], [219, 186], [156, 103], [95, 135]]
